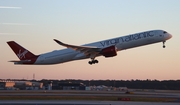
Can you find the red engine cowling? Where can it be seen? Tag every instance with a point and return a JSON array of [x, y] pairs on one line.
[[109, 51]]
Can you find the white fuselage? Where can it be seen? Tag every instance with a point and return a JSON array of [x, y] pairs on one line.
[[121, 43]]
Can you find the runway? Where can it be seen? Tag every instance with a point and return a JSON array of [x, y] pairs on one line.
[[155, 94], [74, 97], [71, 102]]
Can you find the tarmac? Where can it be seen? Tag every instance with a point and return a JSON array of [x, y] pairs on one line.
[[75, 102]]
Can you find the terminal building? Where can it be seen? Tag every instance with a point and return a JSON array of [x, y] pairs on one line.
[[7, 85], [28, 85], [68, 86], [52, 85], [20, 85]]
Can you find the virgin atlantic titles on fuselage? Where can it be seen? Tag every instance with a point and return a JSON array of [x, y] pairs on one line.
[[106, 48]]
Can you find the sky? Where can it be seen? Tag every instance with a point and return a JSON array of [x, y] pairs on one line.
[[35, 23]]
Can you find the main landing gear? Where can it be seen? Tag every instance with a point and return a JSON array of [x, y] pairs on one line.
[[93, 61], [164, 44]]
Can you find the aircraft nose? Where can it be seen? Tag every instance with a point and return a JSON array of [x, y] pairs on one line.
[[169, 36]]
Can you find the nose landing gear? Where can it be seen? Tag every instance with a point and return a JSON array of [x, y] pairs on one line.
[[164, 44]]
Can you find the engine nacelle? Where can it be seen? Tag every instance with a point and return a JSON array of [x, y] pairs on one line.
[[109, 51]]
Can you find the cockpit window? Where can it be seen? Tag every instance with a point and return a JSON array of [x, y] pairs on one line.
[[164, 32]]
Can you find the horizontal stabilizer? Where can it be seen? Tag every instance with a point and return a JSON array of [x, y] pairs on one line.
[[23, 61], [20, 62]]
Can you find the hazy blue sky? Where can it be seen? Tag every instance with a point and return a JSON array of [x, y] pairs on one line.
[[35, 23]]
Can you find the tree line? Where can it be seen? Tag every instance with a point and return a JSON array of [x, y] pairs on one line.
[[133, 84]]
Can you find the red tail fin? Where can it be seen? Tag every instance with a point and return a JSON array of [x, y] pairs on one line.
[[21, 52]]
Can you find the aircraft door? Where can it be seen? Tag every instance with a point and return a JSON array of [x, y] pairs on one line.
[[158, 36]]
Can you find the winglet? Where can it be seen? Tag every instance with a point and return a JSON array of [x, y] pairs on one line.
[[56, 40], [59, 42]]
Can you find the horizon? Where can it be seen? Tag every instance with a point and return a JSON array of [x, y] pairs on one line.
[[83, 80]]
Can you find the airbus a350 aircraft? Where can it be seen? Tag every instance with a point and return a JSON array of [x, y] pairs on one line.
[[106, 48]]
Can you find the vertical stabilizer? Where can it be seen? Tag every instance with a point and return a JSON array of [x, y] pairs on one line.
[[21, 52]]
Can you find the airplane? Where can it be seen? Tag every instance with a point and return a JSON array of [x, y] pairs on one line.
[[106, 48]]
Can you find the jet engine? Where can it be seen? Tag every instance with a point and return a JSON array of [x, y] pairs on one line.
[[109, 51]]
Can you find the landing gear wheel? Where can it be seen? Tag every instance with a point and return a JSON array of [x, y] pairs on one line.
[[164, 46], [93, 62], [90, 62]]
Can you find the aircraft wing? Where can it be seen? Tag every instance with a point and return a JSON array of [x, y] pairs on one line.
[[87, 50]]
